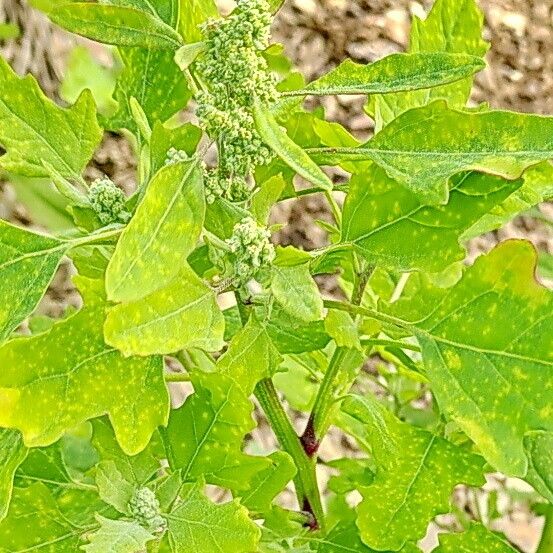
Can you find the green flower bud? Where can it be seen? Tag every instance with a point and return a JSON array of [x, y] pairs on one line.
[[175, 156], [108, 201], [144, 508]]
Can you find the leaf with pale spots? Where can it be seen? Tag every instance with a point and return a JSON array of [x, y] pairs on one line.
[[33, 129], [416, 472], [390, 226], [537, 186], [197, 525], [424, 147], [476, 538], [12, 454], [28, 262], [164, 230], [166, 94], [396, 72], [119, 25], [250, 357], [57, 529], [113, 487], [193, 14], [182, 315], [452, 26], [487, 346], [204, 436], [117, 536], [48, 385]]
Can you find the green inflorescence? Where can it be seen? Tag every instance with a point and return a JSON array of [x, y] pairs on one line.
[[236, 74], [108, 201], [175, 156], [251, 250], [144, 508]]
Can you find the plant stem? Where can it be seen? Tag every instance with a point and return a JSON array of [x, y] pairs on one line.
[[305, 481], [357, 310], [307, 489], [319, 420], [334, 207], [390, 343], [177, 377], [546, 542], [94, 238]]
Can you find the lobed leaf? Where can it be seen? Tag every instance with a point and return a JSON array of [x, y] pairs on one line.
[[182, 315], [416, 472], [119, 25], [391, 227], [476, 538], [34, 130], [118, 536], [28, 262], [198, 526], [163, 231], [477, 377], [203, 438], [48, 385], [424, 147]]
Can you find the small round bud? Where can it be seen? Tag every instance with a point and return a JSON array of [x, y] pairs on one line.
[[108, 201], [144, 508], [175, 156]]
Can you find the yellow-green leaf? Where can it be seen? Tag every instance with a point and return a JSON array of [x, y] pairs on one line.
[[12, 454], [426, 146], [293, 155], [182, 315], [118, 536], [476, 538], [416, 472], [120, 25], [163, 231], [28, 262], [33, 129], [53, 381]]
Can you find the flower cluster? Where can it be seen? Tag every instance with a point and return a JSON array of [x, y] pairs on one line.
[[236, 74], [108, 201], [144, 508], [251, 250], [233, 188], [175, 156]]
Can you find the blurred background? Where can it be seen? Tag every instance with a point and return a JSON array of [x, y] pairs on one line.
[[317, 35]]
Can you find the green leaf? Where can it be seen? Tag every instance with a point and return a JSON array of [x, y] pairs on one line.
[[292, 154], [55, 527], [12, 454], [160, 236], [187, 54], [294, 288], [477, 377], [199, 526], [182, 315], [453, 27], [222, 215], [166, 10], [33, 129], [204, 436], [264, 199], [396, 72], [424, 147], [119, 25], [539, 446], [342, 329], [84, 71], [166, 93], [251, 356], [28, 262], [537, 186], [193, 14], [391, 227], [47, 369], [118, 536], [416, 472], [268, 483], [476, 538], [113, 487]]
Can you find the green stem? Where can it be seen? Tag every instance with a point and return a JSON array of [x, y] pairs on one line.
[[305, 481], [95, 238], [546, 542], [177, 377], [335, 208], [366, 312], [390, 343]]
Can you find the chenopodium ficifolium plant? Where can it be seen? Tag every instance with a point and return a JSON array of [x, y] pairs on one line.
[[92, 449]]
